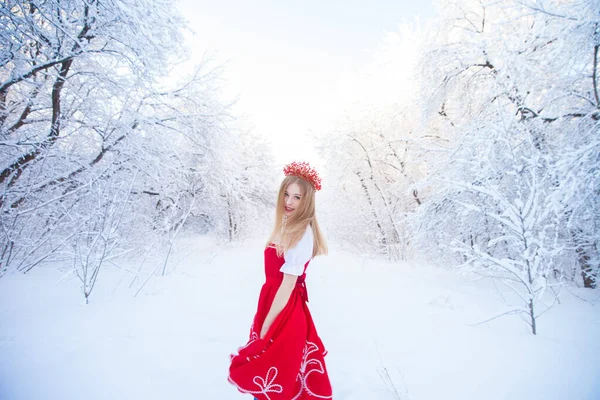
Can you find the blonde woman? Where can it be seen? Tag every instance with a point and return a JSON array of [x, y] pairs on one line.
[[284, 357]]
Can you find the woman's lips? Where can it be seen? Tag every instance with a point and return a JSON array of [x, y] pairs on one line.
[[289, 209]]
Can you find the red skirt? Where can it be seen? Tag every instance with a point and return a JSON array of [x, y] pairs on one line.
[[288, 363]]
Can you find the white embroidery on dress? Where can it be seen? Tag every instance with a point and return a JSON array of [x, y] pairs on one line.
[[308, 366], [265, 385]]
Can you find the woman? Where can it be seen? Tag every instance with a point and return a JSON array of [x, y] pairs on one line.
[[284, 357]]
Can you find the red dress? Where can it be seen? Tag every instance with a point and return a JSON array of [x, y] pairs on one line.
[[288, 364]]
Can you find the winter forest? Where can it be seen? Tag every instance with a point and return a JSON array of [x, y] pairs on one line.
[[117, 164]]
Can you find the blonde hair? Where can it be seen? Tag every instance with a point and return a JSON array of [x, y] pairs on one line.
[[290, 231]]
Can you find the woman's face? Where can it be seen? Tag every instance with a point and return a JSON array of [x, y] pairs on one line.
[[292, 199]]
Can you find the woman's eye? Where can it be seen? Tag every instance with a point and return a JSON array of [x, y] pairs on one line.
[[297, 198]]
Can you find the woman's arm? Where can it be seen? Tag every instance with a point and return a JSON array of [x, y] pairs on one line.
[[281, 298]]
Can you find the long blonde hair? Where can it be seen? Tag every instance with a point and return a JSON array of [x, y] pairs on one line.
[[290, 231]]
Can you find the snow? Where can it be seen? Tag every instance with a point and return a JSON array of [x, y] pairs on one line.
[[414, 322]]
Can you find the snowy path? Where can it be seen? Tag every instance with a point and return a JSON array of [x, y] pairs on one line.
[[173, 340]]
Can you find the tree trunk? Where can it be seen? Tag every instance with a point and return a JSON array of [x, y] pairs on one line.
[[371, 206], [231, 227], [532, 316], [587, 272]]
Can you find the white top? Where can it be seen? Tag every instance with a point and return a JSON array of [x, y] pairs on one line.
[[297, 256]]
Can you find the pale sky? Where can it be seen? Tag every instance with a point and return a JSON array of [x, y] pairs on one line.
[[291, 63]]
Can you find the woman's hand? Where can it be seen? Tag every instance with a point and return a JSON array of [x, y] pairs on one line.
[[281, 298]]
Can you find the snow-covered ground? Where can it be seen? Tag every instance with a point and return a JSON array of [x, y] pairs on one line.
[[403, 327]]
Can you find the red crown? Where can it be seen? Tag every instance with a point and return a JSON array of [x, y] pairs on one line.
[[303, 170]]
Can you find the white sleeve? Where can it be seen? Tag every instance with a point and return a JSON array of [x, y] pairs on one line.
[[296, 257]]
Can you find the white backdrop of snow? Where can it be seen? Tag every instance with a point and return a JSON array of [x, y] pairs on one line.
[[174, 339]]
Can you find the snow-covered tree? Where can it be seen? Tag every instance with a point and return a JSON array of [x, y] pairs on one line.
[[373, 185], [510, 87], [373, 161], [87, 100], [493, 161]]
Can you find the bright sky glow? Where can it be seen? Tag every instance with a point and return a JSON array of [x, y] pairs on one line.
[[294, 65]]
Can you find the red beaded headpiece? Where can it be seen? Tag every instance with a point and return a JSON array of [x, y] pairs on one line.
[[303, 170]]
